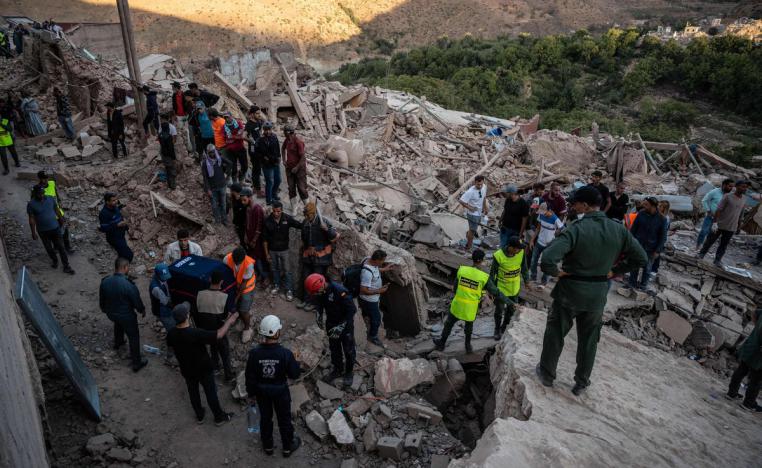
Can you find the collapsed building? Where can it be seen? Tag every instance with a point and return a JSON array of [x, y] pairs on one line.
[[387, 168]]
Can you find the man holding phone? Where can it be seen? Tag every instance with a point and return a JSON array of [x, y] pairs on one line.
[[371, 288]]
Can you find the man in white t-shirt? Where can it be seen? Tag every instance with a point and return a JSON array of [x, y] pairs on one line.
[[371, 288], [474, 200], [548, 223]]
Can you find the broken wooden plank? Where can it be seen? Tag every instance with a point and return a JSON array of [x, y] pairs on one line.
[[693, 159], [302, 110], [233, 91], [397, 136], [662, 146], [706, 154], [450, 139], [648, 155], [173, 207]]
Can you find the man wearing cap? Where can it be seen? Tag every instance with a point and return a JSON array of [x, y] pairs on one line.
[[513, 222], [268, 154], [588, 249], [268, 369], [120, 300], [48, 185], [182, 108], [215, 182], [112, 223], [196, 367], [474, 200], [253, 127], [650, 230], [509, 267], [296, 165], [46, 221], [115, 129], [470, 284], [161, 299], [181, 248], [234, 147], [243, 270]]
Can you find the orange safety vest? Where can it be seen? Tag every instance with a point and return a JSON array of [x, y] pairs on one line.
[[251, 282], [629, 219]]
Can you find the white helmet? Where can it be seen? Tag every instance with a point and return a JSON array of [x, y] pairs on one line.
[[270, 326]]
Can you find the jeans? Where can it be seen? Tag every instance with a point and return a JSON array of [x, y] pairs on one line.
[[218, 205], [4, 157], [281, 269], [53, 242], [119, 243], [536, 252], [645, 273], [272, 182], [256, 171], [450, 321], [506, 234], [261, 268], [342, 348], [281, 406], [238, 157], [67, 125], [120, 140], [724, 237], [210, 390], [152, 117], [184, 129], [127, 326], [755, 380], [168, 322], [371, 310], [706, 228], [170, 169], [221, 350]]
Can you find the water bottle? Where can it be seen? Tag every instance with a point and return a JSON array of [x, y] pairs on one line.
[[253, 417], [151, 349]]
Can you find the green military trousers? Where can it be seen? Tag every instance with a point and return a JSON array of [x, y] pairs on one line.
[[560, 321], [504, 313]]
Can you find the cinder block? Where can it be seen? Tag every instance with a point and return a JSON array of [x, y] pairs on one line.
[[390, 447]]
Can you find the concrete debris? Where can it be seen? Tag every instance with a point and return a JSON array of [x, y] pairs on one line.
[[674, 326], [329, 392], [317, 425], [447, 387], [425, 413], [413, 442], [351, 463], [390, 447], [339, 429], [299, 396], [360, 406], [99, 444], [310, 346], [370, 436], [400, 375]]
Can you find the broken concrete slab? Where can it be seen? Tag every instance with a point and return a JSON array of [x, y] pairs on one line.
[[46, 153], [400, 375], [360, 406], [173, 207], [299, 397], [329, 392], [390, 447], [674, 326], [439, 461], [677, 299], [69, 152], [339, 429], [351, 463], [90, 150], [448, 386], [370, 436], [309, 346], [418, 411], [317, 424], [413, 442]]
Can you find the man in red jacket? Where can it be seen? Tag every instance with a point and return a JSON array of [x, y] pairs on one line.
[[295, 161]]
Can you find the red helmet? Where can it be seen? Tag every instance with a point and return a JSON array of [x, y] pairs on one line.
[[314, 283]]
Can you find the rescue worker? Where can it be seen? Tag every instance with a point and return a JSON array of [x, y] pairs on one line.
[[7, 144], [470, 284], [588, 248], [267, 369], [49, 187], [242, 267], [318, 237], [334, 300], [114, 226], [161, 299], [509, 266]]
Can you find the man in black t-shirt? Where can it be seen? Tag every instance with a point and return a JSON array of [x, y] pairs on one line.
[[619, 203], [595, 182], [196, 366], [253, 129], [513, 223]]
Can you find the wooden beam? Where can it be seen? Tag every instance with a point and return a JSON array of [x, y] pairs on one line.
[[691, 260], [648, 155], [706, 154], [662, 146], [233, 91], [452, 200], [302, 110]]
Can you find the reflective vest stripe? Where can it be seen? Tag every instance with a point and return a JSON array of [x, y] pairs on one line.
[[509, 272], [6, 139], [471, 282], [251, 282]]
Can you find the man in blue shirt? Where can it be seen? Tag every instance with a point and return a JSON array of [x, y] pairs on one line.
[[45, 220], [709, 203], [114, 226]]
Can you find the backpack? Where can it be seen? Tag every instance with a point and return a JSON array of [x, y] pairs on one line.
[[351, 277]]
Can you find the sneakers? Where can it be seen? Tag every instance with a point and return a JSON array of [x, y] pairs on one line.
[[274, 291], [226, 417], [308, 307], [578, 389], [289, 296], [295, 444], [142, 364], [69, 270], [335, 374], [269, 451], [439, 345], [497, 335], [755, 408], [200, 419], [247, 335], [376, 341], [545, 379], [733, 396]]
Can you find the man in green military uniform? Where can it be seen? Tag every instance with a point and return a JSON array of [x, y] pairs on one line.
[[589, 249], [749, 363], [509, 266], [48, 185], [470, 284]]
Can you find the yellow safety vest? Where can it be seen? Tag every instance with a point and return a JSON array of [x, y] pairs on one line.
[[509, 272], [51, 191], [471, 282], [6, 139]]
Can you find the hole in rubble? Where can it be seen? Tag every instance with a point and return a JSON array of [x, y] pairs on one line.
[[473, 408]]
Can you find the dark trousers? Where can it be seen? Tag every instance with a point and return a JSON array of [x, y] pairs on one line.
[[118, 139], [373, 313], [67, 238], [343, 348], [281, 406], [240, 231], [119, 243], [127, 326], [221, 350], [4, 156], [450, 322], [256, 171], [53, 242], [210, 390], [170, 168], [503, 314], [560, 321], [724, 237], [297, 183], [755, 381], [238, 157], [152, 117]]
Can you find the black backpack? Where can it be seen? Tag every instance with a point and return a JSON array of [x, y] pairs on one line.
[[351, 277]]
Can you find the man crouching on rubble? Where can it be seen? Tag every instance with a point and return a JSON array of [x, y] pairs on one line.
[[334, 299], [588, 249]]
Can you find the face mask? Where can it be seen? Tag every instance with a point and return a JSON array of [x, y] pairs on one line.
[[580, 215]]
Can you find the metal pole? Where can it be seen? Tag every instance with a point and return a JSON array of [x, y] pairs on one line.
[[131, 58]]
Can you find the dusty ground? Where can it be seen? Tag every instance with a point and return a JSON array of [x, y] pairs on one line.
[[337, 31], [153, 403]]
